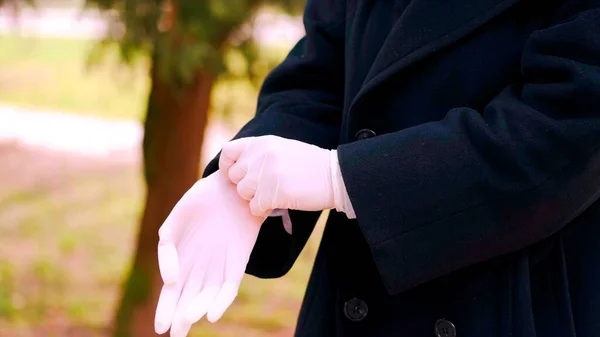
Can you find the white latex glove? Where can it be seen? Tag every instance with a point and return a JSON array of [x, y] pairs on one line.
[[204, 247], [278, 173]]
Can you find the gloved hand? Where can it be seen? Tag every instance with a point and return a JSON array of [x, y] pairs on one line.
[[204, 247], [278, 173]]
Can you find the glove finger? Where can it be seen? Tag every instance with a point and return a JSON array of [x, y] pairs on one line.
[[256, 207], [269, 195], [213, 281], [171, 295], [237, 171], [223, 301], [169, 235], [237, 259], [193, 285], [168, 262], [180, 330], [246, 188], [167, 302], [181, 326], [200, 305], [231, 152]]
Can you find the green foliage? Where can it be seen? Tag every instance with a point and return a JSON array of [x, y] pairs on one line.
[[16, 4], [185, 36], [52, 74]]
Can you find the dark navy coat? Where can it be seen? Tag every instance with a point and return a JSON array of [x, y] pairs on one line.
[[468, 135]]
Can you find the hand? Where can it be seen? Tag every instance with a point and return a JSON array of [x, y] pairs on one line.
[[204, 247], [277, 173]]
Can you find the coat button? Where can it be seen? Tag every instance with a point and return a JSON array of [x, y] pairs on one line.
[[444, 328], [355, 310], [364, 134]]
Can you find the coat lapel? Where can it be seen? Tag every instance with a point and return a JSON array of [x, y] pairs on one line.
[[425, 27]]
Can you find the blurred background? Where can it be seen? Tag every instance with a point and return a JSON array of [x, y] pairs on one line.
[[109, 110]]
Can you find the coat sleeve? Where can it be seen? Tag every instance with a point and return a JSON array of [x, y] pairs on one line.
[[300, 99], [445, 195]]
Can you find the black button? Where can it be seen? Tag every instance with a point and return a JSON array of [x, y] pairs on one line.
[[364, 134], [356, 310], [444, 328]]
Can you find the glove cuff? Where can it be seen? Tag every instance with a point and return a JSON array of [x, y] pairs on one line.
[[341, 199]]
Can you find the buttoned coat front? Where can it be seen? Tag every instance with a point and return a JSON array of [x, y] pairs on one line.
[[467, 134]]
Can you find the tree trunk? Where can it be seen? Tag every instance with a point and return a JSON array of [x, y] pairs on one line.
[[174, 129]]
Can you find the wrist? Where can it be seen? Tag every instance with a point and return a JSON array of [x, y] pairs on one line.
[[341, 200]]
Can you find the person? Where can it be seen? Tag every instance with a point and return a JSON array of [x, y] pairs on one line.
[[456, 145]]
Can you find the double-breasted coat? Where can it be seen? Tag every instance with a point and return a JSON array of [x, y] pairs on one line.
[[468, 135]]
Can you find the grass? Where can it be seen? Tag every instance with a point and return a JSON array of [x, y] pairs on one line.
[[67, 227], [67, 235], [54, 74]]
